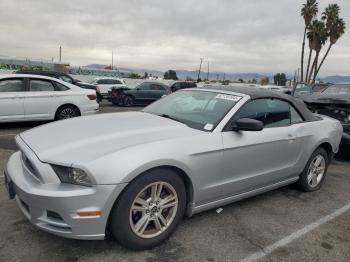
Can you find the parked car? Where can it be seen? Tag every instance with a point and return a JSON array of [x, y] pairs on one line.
[[64, 77], [32, 97], [142, 94], [333, 101], [105, 85], [283, 89], [178, 85], [136, 174], [319, 87]]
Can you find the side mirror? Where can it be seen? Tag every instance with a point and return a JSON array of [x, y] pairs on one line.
[[247, 124]]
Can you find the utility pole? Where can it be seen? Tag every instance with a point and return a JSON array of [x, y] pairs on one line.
[[112, 59], [208, 72], [60, 54], [199, 71], [298, 75]]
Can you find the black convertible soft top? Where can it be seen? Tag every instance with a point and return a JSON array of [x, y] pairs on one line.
[[256, 93]]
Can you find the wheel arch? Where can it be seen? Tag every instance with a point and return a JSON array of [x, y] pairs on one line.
[[328, 147]]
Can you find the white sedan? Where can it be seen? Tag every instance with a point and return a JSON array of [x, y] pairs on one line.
[[105, 85], [33, 97]]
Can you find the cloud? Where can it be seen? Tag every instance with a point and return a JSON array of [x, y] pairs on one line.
[[234, 35]]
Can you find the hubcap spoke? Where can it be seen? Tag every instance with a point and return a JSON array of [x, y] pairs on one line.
[[141, 202], [169, 201], [162, 219], [157, 223], [142, 224]]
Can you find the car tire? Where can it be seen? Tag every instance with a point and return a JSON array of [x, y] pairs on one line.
[[115, 101], [314, 173], [125, 218], [128, 101], [66, 112]]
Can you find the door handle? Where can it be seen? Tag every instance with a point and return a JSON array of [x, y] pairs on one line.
[[17, 97], [291, 138]]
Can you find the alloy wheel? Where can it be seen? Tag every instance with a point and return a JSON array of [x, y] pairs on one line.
[[153, 210], [67, 113], [316, 170]]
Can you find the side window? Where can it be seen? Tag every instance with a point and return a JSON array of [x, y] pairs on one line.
[[66, 79], [115, 82], [101, 82], [11, 85], [272, 112], [157, 87], [145, 86], [295, 117], [60, 87], [176, 86], [41, 86]]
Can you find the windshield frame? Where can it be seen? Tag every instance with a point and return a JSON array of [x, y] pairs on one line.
[[223, 119]]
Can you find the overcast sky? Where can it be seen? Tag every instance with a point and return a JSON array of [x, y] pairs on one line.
[[234, 35]]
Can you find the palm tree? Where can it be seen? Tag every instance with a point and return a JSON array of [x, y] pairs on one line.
[[308, 12], [335, 26], [317, 36], [330, 14]]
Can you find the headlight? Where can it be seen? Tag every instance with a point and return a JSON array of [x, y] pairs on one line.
[[72, 175]]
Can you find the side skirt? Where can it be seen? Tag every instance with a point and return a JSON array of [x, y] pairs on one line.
[[193, 209]]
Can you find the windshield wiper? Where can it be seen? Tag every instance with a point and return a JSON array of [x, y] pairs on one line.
[[171, 117]]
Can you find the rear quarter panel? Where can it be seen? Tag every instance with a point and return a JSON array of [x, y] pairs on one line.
[[314, 133]]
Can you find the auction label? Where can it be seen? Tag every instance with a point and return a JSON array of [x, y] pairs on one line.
[[228, 97]]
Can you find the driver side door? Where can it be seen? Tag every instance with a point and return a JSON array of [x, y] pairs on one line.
[[254, 159]]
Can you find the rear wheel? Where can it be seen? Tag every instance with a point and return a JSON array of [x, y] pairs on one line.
[[149, 209], [128, 101], [67, 111], [315, 171]]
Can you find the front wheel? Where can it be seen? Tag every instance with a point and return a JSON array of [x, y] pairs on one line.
[[149, 210], [315, 171]]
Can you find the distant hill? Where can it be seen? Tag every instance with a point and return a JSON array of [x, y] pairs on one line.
[[336, 79], [183, 74], [219, 75]]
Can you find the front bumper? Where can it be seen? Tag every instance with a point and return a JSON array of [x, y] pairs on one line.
[[54, 207]]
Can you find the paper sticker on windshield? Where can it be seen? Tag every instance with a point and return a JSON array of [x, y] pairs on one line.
[[208, 127], [228, 97]]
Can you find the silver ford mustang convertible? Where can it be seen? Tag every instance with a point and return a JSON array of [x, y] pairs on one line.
[[135, 175]]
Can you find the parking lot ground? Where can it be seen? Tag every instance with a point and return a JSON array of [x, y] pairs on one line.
[[281, 225]]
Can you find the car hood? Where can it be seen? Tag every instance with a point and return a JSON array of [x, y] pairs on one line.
[[84, 139]]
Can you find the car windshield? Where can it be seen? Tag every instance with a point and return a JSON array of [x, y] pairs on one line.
[[338, 89], [201, 110]]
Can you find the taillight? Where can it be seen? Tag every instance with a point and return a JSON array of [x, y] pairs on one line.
[[92, 97]]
